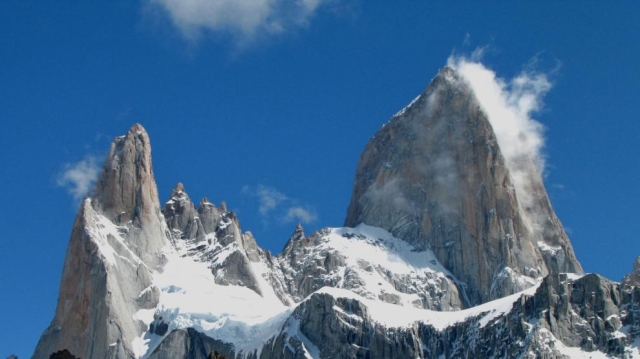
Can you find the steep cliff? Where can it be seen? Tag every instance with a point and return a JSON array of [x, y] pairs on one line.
[[435, 177], [116, 244]]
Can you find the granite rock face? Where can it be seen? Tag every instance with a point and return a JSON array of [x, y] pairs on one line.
[[633, 278], [115, 245], [325, 259], [590, 313], [213, 235], [435, 177]]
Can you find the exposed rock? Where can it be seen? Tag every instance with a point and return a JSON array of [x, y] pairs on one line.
[[158, 326], [586, 314], [115, 246], [435, 177], [181, 216], [214, 236], [209, 215], [62, 354], [190, 344], [322, 259], [634, 277], [127, 195]]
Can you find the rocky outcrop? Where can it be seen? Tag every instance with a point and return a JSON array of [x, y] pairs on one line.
[[182, 217], [563, 318], [127, 195], [213, 235], [435, 177], [62, 354], [325, 259], [115, 246], [189, 343], [633, 278]]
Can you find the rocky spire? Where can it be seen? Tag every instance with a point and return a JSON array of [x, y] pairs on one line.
[[126, 193], [209, 215], [115, 246], [435, 177], [633, 278], [181, 216]]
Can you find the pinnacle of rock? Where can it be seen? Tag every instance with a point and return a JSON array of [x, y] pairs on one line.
[[435, 177], [116, 243], [633, 278], [178, 188], [126, 189]]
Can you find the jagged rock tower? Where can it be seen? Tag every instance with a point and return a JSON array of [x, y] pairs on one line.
[[115, 244], [435, 177]]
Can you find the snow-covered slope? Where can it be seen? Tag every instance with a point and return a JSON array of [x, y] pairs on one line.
[[251, 323], [370, 262], [183, 282]]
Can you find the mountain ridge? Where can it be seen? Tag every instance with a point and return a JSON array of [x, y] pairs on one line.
[[181, 282]]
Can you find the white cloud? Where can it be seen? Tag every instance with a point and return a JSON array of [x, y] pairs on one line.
[[268, 197], [509, 105], [243, 19], [78, 178], [300, 214], [272, 203]]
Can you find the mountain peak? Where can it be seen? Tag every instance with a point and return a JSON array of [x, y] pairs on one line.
[[178, 188], [115, 245], [126, 189], [435, 176], [634, 277]]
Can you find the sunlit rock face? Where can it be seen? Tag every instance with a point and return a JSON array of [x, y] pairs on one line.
[[116, 244], [435, 177]]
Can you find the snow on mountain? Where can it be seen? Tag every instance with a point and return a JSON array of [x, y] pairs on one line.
[[182, 282], [370, 262], [190, 297]]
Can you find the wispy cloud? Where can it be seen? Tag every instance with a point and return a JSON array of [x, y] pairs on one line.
[[78, 178], [268, 197], [509, 105], [242, 19], [273, 204], [300, 214]]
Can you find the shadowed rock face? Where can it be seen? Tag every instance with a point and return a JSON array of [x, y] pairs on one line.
[[633, 278], [435, 177], [101, 290]]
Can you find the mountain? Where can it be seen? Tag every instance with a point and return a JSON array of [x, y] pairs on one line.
[[435, 177], [440, 256], [113, 253]]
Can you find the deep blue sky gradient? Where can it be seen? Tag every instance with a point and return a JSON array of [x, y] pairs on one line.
[[293, 112]]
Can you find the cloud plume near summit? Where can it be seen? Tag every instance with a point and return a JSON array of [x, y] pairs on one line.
[[509, 105], [242, 19], [78, 178]]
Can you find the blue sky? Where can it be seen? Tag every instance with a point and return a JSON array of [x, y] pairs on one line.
[[268, 105]]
